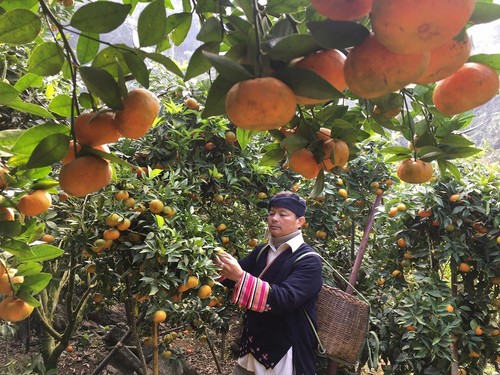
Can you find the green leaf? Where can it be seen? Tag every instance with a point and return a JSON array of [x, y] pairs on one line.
[[211, 31], [15, 4], [61, 105], [227, 68], [485, 13], [492, 60], [87, 47], [428, 153], [34, 284], [8, 139], [29, 268], [452, 168], [100, 17], [26, 297], [40, 253], [46, 59], [28, 80], [179, 34], [7, 93], [459, 152], [19, 26], [29, 140], [15, 247], [152, 24], [272, 157], [30, 108], [279, 7], [337, 34], [455, 140], [111, 60], [137, 67], [101, 83], [307, 83], [44, 183], [291, 46], [198, 63], [244, 136], [319, 185], [216, 99], [10, 229], [50, 150], [167, 62], [211, 6]]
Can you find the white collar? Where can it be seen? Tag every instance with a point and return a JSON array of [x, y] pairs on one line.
[[293, 243]]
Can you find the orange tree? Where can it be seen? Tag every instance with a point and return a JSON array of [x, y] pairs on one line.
[[52, 81]]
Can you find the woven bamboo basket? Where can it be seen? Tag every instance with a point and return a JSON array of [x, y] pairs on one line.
[[342, 324]]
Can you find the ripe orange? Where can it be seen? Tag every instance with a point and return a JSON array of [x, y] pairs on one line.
[[479, 81], [221, 227], [47, 238], [6, 214], [336, 150], [192, 282], [393, 211], [446, 60], [96, 129], [401, 207], [450, 308], [13, 309], [113, 220], [260, 104], [371, 70], [416, 26], [410, 327], [424, 213], [478, 331], [304, 163], [204, 291], [98, 298], [342, 10], [168, 211], [5, 287], [379, 192], [454, 198], [231, 137], [329, 64], [70, 155], [156, 206], [253, 242], [192, 103], [121, 195], [464, 267], [402, 242], [343, 193], [69, 348], [396, 273], [111, 234], [474, 354], [140, 109], [381, 281], [159, 316], [321, 234], [124, 225], [214, 301], [85, 175], [414, 171], [34, 203]]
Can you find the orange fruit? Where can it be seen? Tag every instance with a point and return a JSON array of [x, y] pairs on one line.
[[192, 103], [321, 234], [454, 198], [91, 268], [13, 309], [47, 238], [479, 81], [343, 193], [414, 171], [446, 60], [113, 220], [401, 207], [231, 137], [393, 211], [159, 316], [98, 298], [474, 354], [416, 26], [450, 308], [85, 175], [124, 225], [410, 327], [260, 104], [221, 227], [121, 195], [166, 354], [396, 273], [379, 192], [329, 64], [371, 70], [381, 281], [386, 113], [304, 163], [6, 214], [342, 10], [192, 282], [478, 331], [7, 278], [424, 213], [336, 150], [70, 155], [111, 234], [168, 211], [156, 206], [34, 203], [214, 301], [3, 177], [402, 242], [140, 109], [464, 267], [69, 348], [96, 129], [204, 291], [253, 242]]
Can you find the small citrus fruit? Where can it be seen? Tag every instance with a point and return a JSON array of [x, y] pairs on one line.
[[34, 203]]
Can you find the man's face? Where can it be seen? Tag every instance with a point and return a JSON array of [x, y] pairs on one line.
[[281, 221]]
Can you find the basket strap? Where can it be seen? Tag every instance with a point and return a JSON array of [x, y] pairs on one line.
[[321, 348], [334, 270]]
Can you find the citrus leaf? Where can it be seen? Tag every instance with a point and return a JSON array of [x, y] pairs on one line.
[[459, 152], [179, 34], [278, 7], [429, 153], [137, 67], [492, 60], [26, 297], [272, 157], [227, 68], [40, 253], [101, 83], [8, 93], [319, 185], [46, 59], [291, 46], [87, 47], [152, 24], [28, 80], [34, 284], [14, 4], [337, 34], [19, 26], [44, 184], [10, 229], [30, 108], [110, 59], [211, 31], [484, 13], [244, 136], [167, 62], [29, 268], [49, 151], [100, 17], [397, 150], [307, 83], [215, 103], [28, 141], [16, 248], [198, 63], [61, 105], [455, 140]]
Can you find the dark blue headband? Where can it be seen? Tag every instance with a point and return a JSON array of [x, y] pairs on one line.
[[291, 202]]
